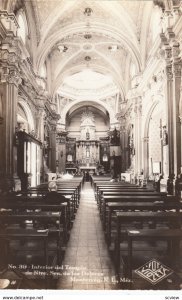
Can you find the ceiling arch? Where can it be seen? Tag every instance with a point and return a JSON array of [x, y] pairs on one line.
[[102, 70], [87, 104], [78, 103], [76, 7], [111, 66], [76, 28]]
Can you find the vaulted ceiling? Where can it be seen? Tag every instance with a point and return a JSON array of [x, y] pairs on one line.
[[90, 47], [103, 36]]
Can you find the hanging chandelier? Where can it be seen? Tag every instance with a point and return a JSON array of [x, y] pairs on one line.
[[88, 11]]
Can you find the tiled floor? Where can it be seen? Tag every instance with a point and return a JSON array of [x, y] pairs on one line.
[[87, 264]]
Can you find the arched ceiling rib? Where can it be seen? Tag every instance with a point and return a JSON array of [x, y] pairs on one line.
[[79, 29], [65, 12], [114, 28], [102, 70]]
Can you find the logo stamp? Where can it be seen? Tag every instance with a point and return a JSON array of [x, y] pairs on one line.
[[154, 271]]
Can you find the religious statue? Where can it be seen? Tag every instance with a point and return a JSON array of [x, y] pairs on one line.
[[87, 126], [87, 135], [115, 137]]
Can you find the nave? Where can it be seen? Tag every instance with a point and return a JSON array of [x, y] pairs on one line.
[[90, 144], [87, 249], [80, 245]]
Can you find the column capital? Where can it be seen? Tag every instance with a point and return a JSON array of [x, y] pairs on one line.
[[175, 49], [10, 75], [9, 22], [168, 53], [40, 101], [123, 128], [177, 69], [53, 126], [169, 72]]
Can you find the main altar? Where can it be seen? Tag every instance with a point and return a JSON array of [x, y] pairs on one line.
[[89, 151], [87, 146]]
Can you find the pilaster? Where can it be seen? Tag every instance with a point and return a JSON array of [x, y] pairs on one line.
[[53, 146], [173, 82], [137, 135], [124, 145], [176, 101], [146, 156], [9, 82]]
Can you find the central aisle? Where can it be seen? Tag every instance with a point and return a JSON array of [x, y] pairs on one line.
[[86, 253]]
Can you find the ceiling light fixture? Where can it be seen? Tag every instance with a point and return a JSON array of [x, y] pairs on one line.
[[62, 48], [87, 58], [88, 11], [113, 48], [87, 36]]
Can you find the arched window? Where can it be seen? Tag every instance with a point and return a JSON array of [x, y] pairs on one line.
[[22, 30]]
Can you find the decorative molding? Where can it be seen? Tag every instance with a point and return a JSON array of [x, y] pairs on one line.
[[9, 22], [177, 69], [169, 72]]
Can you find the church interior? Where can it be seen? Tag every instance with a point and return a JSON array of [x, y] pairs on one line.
[[91, 144]]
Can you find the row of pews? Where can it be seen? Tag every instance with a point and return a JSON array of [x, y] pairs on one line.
[[138, 219], [40, 218]]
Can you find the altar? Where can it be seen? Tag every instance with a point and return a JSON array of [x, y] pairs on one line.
[[88, 167], [87, 146]]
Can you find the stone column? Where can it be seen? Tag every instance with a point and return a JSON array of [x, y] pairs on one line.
[[173, 80], [176, 113], [40, 117], [9, 81], [137, 135], [146, 156], [180, 118], [169, 98], [40, 133], [181, 139], [124, 146], [53, 146]]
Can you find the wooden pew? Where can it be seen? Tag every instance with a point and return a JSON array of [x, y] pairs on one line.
[[139, 206], [69, 185], [44, 218], [126, 198], [66, 191], [126, 192], [39, 201], [21, 206], [172, 218], [112, 184], [116, 190], [100, 188], [23, 234], [172, 236]]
